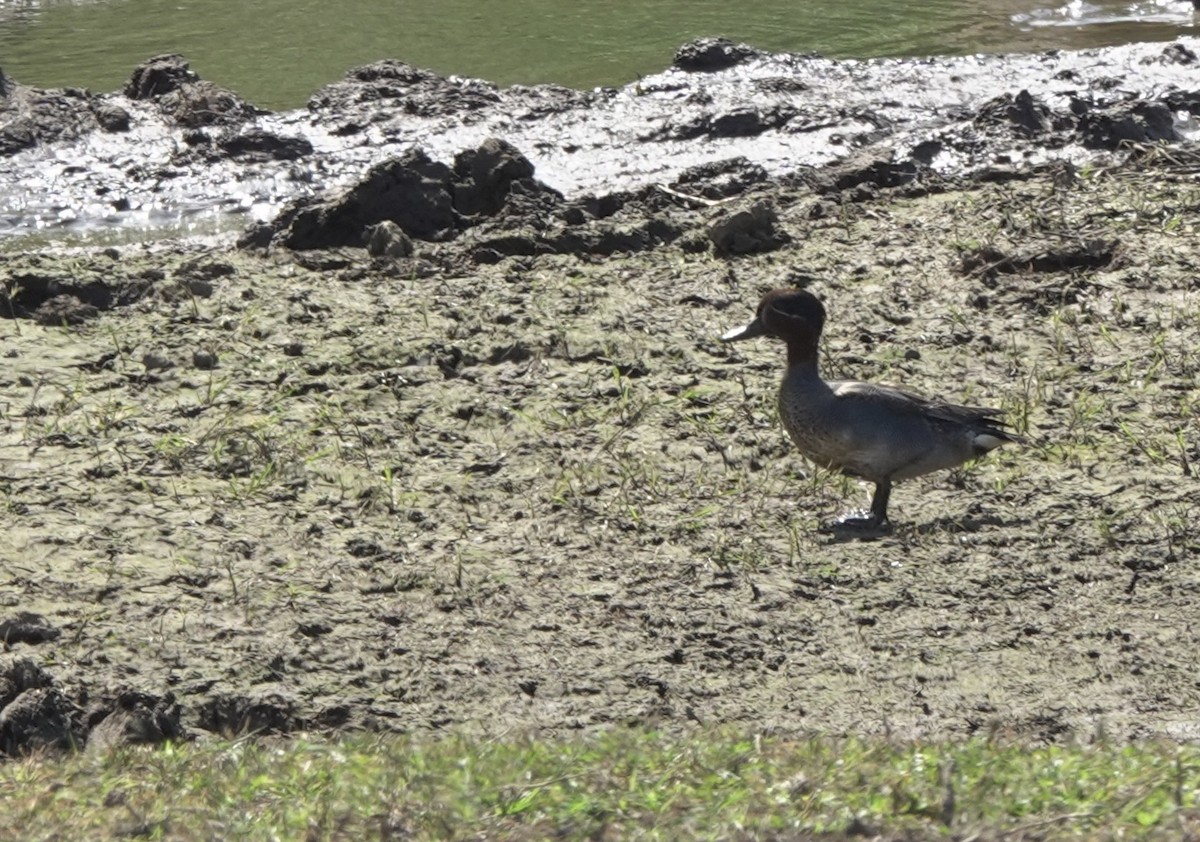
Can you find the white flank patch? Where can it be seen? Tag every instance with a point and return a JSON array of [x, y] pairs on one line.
[[986, 441]]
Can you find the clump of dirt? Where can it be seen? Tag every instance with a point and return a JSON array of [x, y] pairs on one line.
[[423, 197], [183, 97], [31, 116], [324, 489], [710, 54]]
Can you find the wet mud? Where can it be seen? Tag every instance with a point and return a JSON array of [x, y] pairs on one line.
[[174, 151], [500, 473]]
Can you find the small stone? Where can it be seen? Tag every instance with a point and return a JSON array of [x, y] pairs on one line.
[[198, 287], [204, 359], [747, 231], [387, 239], [112, 118], [156, 362], [64, 310], [912, 354]]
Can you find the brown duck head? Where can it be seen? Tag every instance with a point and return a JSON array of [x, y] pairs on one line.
[[793, 315]]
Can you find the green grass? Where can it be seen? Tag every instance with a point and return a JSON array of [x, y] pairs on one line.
[[619, 784]]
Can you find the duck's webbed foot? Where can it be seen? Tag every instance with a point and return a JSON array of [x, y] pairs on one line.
[[870, 523], [858, 522]]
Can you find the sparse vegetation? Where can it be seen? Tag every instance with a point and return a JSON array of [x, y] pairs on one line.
[[541, 497], [619, 784]]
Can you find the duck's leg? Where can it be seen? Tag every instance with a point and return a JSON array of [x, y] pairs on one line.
[[866, 524], [883, 492]]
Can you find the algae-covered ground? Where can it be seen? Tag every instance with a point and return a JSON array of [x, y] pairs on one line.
[[323, 490]]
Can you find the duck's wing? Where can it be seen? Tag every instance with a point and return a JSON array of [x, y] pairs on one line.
[[893, 399]]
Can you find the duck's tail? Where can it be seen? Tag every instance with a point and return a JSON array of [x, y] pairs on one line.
[[990, 434]]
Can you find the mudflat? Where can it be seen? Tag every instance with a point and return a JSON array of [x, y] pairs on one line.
[[513, 480]]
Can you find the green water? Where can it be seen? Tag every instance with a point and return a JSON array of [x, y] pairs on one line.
[[277, 52]]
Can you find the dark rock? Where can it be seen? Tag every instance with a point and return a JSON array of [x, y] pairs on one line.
[[720, 179], [64, 310], [156, 362], [487, 256], [26, 293], [159, 75], [1176, 53], [40, 719], [27, 627], [874, 168], [595, 207], [1140, 122], [18, 675], [529, 198], [30, 116], [423, 198], [258, 235], [744, 122], [259, 145], [237, 715], [749, 230], [111, 118], [136, 718], [611, 239], [709, 54], [1183, 101], [204, 359], [252, 145], [387, 239], [197, 287], [184, 97], [493, 242], [14, 138], [483, 176], [205, 104], [204, 269], [407, 90], [927, 150], [749, 122], [1030, 116], [413, 191]]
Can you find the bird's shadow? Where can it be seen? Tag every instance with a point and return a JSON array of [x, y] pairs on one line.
[[845, 531]]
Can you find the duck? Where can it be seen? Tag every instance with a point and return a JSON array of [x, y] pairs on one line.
[[881, 434]]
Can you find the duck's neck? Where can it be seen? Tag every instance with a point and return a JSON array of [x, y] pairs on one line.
[[802, 358]]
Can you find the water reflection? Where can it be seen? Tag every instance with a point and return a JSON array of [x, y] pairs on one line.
[[277, 52], [16, 15], [1081, 13], [16, 8]]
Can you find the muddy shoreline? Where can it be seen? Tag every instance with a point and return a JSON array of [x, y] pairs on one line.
[[503, 475], [172, 152]]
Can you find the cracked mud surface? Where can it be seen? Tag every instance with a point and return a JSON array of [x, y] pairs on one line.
[[323, 490]]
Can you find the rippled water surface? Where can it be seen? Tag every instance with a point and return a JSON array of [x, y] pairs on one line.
[[276, 53]]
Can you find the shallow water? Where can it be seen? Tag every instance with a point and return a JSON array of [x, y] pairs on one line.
[[276, 53]]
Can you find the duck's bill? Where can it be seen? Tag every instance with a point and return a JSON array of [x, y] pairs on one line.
[[749, 331]]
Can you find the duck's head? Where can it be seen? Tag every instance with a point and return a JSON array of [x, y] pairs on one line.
[[793, 315]]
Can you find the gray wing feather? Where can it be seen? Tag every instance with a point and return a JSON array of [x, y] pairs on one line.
[[902, 401]]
